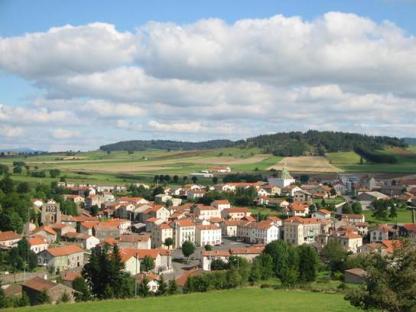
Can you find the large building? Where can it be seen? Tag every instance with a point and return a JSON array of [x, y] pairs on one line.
[[50, 213], [283, 179]]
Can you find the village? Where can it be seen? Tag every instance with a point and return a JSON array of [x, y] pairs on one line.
[[160, 229]]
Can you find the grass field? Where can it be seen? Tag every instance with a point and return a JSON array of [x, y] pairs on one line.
[[403, 216], [350, 162], [247, 299], [306, 164]]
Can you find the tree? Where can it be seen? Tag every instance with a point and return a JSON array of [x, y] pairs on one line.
[[54, 173], [194, 179], [308, 263], [94, 210], [65, 297], [3, 301], [4, 169], [17, 169], [168, 242], [393, 211], [389, 283], [83, 292], [346, 208], [208, 247], [143, 288], [147, 264], [175, 179], [6, 185], [163, 287], [215, 180], [188, 249], [23, 187], [357, 208], [172, 287], [335, 256], [218, 264]]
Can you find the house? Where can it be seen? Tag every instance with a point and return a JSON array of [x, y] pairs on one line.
[[381, 232], [184, 231], [350, 240], [353, 218], [207, 212], [230, 228], [9, 239], [87, 227], [208, 256], [84, 240], [162, 259], [50, 213], [152, 280], [37, 243], [77, 199], [408, 230], [302, 197], [299, 231], [209, 234], [221, 204], [355, 276], [236, 213], [158, 212], [220, 169], [195, 194], [265, 231], [61, 229], [385, 247], [290, 190], [47, 232], [371, 196], [62, 258], [37, 286], [283, 179], [322, 214], [69, 277], [248, 253], [138, 241], [160, 233], [298, 209]]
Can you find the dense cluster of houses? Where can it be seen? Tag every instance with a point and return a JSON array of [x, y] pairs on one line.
[[143, 228]]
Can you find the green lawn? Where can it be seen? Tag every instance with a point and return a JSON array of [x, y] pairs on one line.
[[350, 162], [403, 216], [247, 299]]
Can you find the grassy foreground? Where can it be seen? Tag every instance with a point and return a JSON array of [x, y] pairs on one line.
[[247, 299]]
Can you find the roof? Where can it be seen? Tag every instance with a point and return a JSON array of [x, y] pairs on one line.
[[9, 235], [237, 210], [64, 250], [410, 227], [324, 211], [391, 245], [182, 279], [298, 206], [215, 253], [185, 222], [127, 253], [302, 220], [36, 240], [220, 202], [47, 229], [39, 284], [134, 238], [207, 227], [70, 276], [285, 174], [357, 271], [257, 249]]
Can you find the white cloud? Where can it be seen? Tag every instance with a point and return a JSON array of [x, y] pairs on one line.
[[62, 134], [11, 132], [211, 79]]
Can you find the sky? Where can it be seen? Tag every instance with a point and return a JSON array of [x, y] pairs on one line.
[[78, 74]]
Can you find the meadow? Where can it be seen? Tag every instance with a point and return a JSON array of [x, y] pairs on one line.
[[121, 167], [246, 299]]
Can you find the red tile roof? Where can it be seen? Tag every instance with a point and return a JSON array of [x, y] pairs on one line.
[[9, 235], [64, 250]]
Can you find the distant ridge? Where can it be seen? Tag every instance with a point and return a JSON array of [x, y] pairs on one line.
[[20, 150], [410, 141], [283, 144]]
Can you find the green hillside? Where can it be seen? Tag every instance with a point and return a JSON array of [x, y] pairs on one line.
[[248, 299]]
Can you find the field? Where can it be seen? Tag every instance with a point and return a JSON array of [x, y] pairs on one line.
[[350, 162], [121, 167], [306, 164], [247, 299], [403, 216]]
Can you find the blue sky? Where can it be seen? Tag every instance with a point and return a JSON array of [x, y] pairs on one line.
[[160, 52]]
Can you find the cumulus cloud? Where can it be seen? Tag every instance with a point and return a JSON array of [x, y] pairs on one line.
[[61, 134], [211, 78]]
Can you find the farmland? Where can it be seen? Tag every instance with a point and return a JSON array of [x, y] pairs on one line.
[[247, 299], [118, 167]]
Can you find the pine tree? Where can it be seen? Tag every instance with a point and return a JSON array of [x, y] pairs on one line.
[[308, 263], [172, 288], [163, 287]]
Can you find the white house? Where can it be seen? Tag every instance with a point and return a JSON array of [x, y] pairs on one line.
[[283, 179], [184, 231], [209, 234]]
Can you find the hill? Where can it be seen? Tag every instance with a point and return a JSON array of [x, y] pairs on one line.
[[410, 141], [247, 299], [280, 144], [142, 145]]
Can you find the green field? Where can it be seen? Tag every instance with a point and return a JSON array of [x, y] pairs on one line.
[[247, 299], [350, 162], [403, 216], [121, 167]]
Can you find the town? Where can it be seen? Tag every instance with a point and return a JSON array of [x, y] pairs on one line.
[[181, 231]]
